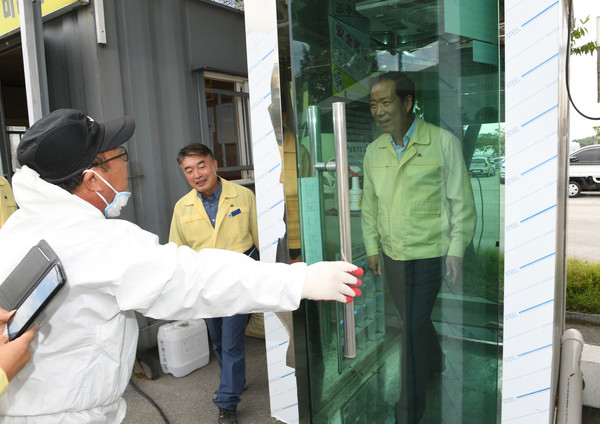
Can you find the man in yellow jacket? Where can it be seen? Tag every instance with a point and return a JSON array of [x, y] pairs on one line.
[[7, 201], [218, 214], [418, 205]]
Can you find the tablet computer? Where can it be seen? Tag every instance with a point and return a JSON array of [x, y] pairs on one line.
[[35, 303], [31, 286]]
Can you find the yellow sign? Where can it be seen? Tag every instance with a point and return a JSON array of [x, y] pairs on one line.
[[10, 21]]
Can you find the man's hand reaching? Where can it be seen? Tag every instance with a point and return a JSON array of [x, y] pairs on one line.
[[332, 281]]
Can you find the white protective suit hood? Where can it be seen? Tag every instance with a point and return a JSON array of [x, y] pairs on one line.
[[82, 356]]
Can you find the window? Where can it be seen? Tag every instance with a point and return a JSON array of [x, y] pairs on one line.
[[224, 106], [591, 155], [8, 153]]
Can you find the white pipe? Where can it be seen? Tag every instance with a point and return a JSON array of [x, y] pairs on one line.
[[570, 382]]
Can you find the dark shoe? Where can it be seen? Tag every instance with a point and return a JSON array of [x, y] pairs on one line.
[[243, 390], [227, 416]]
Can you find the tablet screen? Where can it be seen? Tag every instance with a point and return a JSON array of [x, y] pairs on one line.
[[34, 301]]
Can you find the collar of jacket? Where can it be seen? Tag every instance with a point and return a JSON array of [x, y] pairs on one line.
[[227, 193], [421, 136], [39, 197]]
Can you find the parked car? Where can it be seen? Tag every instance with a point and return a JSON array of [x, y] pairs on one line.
[[481, 166], [502, 171], [584, 170], [498, 162]]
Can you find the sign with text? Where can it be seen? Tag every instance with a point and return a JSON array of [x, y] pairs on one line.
[[10, 20], [532, 138]]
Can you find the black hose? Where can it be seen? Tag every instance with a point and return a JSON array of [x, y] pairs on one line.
[[149, 399], [482, 216], [567, 63]]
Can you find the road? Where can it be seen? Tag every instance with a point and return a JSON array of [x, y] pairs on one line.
[[583, 219], [583, 229]]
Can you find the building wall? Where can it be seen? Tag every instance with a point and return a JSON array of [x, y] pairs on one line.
[[145, 70]]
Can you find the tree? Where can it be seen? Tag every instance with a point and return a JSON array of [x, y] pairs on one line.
[[491, 142], [588, 48], [587, 141], [579, 32]]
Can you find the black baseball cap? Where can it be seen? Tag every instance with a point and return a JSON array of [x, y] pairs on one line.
[[65, 142]]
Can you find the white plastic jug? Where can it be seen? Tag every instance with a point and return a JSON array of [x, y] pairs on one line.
[[183, 346]]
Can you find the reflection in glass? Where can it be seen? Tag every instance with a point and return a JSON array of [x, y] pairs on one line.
[[418, 206], [427, 324]]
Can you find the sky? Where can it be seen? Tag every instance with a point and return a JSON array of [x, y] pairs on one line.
[[583, 75]]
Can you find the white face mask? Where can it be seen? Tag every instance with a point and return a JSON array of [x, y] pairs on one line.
[[113, 209]]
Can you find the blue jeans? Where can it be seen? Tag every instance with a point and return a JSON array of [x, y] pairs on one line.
[[228, 339], [414, 286]]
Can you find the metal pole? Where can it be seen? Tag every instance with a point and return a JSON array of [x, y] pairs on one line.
[[314, 134], [34, 62], [560, 287], [341, 157], [571, 379], [598, 54]]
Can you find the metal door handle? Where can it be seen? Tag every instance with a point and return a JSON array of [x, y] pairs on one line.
[[314, 133], [341, 158], [340, 167]]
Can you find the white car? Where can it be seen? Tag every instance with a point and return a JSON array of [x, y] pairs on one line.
[[584, 170], [481, 166]]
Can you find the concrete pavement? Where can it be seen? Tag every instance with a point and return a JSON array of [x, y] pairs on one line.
[[582, 227], [188, 399]]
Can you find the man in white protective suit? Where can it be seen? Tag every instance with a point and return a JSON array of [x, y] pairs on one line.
[[73, 177]]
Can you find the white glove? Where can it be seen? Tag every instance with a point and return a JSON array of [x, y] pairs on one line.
[[330, 280]]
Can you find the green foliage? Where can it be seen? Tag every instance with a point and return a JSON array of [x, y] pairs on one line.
[[484, 274], [583, 286], [597, 129], [315, 74], [484, 277], [587, 141], [576, 34], [491, 142]]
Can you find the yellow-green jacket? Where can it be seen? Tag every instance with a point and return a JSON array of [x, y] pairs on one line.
[[421, 206], [3, 382], [292, 163], [7, 201], [235, 226]]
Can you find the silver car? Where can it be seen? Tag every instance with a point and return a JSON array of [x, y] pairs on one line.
[[481, 166]]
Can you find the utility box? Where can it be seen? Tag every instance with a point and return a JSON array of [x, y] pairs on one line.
[[183, 347]]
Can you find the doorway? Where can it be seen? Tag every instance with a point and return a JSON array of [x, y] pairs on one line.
[[13, 105], [452, 51]]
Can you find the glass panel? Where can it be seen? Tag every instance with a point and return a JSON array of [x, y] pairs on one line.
[[430, 211]]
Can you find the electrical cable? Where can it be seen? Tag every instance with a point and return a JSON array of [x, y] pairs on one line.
[[475, 282], [475, 279], [149, 399], [482, 216], [569, 16]]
